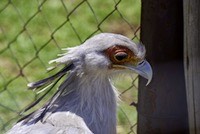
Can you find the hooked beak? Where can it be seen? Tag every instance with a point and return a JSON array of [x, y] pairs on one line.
[[144, 69]]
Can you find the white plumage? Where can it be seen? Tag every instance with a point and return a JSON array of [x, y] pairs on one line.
[[85, 102]]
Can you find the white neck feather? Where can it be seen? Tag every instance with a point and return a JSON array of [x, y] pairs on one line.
[[93, 98]]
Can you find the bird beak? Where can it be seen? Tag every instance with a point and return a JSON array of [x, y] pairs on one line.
[[144, 69]]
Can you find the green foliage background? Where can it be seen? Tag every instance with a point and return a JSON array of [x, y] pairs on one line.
[[32, 32]]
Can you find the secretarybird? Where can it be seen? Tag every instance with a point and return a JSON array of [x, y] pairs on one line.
[[86, 101]]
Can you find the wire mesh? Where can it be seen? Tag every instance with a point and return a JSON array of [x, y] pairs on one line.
[[33, 32]]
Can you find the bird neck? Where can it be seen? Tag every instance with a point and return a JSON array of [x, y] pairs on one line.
[[92, 97]]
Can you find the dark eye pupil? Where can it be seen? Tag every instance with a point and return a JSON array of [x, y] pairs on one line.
[[121, 56]]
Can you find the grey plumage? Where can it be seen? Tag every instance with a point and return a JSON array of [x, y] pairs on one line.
[[86, 101]]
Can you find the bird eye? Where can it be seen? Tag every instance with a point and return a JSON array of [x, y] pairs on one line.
[[120, 56]]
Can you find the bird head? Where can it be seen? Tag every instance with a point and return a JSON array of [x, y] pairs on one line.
[[102, 54], [106, 53]]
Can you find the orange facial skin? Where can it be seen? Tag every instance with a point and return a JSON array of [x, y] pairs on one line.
[[121, 55]]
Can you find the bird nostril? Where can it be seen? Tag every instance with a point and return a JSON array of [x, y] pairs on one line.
[[140, 63]]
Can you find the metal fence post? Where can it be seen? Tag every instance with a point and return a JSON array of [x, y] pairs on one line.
[[192, 62], [162, 106]]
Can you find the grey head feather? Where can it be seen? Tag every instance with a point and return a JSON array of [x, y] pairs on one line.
[[98, 43]]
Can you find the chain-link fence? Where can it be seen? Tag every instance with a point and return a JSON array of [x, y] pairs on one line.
[[33, 32]]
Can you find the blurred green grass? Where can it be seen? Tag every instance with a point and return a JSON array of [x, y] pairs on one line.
[[31, 36]]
